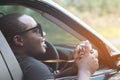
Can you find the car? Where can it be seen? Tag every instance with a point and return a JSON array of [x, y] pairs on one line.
[[63, 31]]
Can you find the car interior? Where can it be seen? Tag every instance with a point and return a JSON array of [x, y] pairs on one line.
[[10, 69]]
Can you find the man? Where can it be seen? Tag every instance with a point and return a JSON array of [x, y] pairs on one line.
[[26, 40]]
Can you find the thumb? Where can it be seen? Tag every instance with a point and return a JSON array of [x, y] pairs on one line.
[[76, 52]]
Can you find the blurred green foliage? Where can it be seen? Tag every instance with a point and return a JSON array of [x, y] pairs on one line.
[[99, 6], [102, 15]]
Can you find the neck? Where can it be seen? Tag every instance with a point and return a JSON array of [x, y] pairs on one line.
[[18, 51]]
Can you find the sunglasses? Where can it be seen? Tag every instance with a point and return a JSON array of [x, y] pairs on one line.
[[37, 27]]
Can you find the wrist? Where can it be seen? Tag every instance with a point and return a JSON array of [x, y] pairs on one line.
[[84, 75]]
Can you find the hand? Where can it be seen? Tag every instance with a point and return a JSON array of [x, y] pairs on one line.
[[88, 63], [87, 66], [82, 48]]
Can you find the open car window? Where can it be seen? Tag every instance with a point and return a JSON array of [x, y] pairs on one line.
[[102, 16], [53, 32]]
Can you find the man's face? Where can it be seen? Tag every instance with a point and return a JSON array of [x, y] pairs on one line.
[[33, 40]]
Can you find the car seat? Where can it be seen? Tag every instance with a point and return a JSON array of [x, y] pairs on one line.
[[9, 67]]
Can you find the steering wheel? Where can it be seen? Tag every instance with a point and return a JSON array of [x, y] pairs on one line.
[[51, 54]]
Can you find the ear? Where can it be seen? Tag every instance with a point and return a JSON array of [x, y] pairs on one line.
[[18, 40]]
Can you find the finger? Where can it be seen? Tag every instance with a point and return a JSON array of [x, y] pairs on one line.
[[96, 60], [94, 52], [76, 51], [96, 63], [88, 47]]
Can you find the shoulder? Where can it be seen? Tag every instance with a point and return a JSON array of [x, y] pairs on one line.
[[32, 66], [30, 62]]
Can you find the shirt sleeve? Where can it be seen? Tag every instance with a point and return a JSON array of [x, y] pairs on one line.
[[34, 69]]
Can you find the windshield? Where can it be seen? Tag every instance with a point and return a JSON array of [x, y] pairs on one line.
[[101, 15]]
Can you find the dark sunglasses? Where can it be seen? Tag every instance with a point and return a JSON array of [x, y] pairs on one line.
[[37, 27]]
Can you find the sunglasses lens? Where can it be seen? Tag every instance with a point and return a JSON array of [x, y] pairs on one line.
[[40, 29]]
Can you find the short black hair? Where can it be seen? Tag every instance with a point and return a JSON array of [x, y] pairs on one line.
[[10, 25]]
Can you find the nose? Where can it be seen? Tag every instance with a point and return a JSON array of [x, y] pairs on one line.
[[44, 34], [43, 38]]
